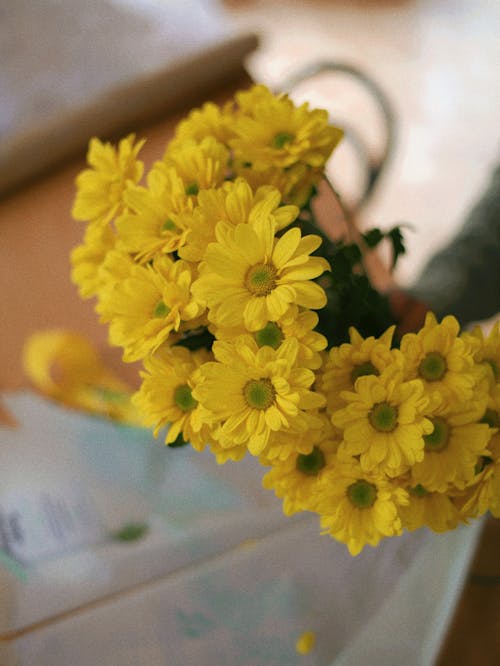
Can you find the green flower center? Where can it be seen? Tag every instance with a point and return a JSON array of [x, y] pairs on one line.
[[383, 417], [259, 393], [192, 189], [312, 463], [419, 491], [183, 398], [161, 310], [362, 370], [492, 418], [281, 139], [433, 367], [270, 335], [169, 225], [362, 494], [438, 439], [260, 279]]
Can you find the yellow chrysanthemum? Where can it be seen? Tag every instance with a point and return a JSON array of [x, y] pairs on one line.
[[153, 222], [166, 394], [434, 510], [296, 183], [224, 454], [484, 491], [100, 188], [201, 165], [253, 392], [453, 447], [486, 349], [147, 304], [87, 258], [209, 120], [65, 366], [295, 323], [284, 443], [357, 508], [305, 642], [440, 358], [360, 357], [484, 494], [233, 203], [271, 131], [384, 422], [250, 277], [491, 463], [295, 478]]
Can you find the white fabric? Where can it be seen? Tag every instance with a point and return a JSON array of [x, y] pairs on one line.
[[222, 577], [57, 55]]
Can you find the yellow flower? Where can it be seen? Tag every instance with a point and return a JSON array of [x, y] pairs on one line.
[[166, 394], [250, 277], [305, 642], [284, 443], [201, 165], [209, 120], [271, 131], [66, 367], [100, 188], [153, 222], [224, 454], [492, 462], [384, 422], [295, 323], [360, 357], [358, 508], [233, 203], [87, 258], [296, 183], [148, 304], [453, 447], [295, 478], [431, 509], [253, 392], [486, 349], [440, 358], [484, 494]]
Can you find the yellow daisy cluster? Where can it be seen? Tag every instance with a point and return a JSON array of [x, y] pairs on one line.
[[203, 274], [416, 430]]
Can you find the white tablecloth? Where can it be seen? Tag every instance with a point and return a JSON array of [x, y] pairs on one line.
[[222, 577]]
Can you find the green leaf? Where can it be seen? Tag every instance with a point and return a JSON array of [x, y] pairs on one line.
[[395, 235], [178, 442], [197, 339], [373, 237]]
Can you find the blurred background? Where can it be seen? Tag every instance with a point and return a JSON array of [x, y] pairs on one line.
[[438, 63], [435, 62]]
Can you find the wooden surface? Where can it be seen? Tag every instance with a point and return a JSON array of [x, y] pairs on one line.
[[36, 236], [474, 635]]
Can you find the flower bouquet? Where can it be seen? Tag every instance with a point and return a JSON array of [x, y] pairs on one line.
[[260, 335]]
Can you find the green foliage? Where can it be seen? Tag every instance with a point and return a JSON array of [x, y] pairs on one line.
[[352, 299], [200, 338], [374, 236], [178, 442]]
